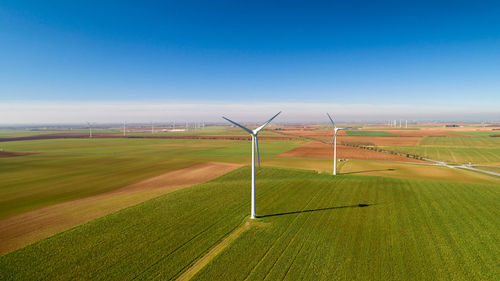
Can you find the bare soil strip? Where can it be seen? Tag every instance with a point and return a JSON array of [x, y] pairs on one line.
[[20, 230], [199, 264]]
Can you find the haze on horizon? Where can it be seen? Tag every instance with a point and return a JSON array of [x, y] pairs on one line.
[[67, 62]]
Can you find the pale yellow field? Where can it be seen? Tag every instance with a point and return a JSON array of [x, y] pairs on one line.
[[386, 169]]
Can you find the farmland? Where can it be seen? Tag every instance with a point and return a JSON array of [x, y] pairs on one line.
[[322, 150], [475, 149], [369, 133], [157, 216], [68, 169], [209, 140], [447, 228]]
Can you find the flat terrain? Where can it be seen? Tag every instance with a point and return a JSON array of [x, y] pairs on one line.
[[476, 150], [68, 169], [370, 133], [414, 171], [141, 207], [19, 230], [322, 150], [380, 141], [311, 226]]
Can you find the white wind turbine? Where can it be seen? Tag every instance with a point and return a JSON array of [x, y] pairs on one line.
[[255, 142], [335, 130], [90, 129]]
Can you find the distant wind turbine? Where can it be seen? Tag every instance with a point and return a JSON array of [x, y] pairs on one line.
[[124, 128], [335, 130], [90, 129], [255, 143]]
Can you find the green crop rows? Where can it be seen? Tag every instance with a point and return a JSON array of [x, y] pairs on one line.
[[466, 142], [455, 149], [312, 228], [68, 169]]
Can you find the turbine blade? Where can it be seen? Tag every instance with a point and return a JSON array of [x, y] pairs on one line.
[[331, 119], [241, 126], [265, 124], [258, 153]]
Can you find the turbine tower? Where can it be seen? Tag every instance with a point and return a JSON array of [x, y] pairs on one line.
[[124, 128], [255, 143], [335, 130], [90, 129]]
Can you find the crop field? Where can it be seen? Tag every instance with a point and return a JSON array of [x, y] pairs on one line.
[[495, 169], [311, 226], [474, 149], [68, 169], [457, 155], [466, 142], [413, 171], [139, 131], [152, 224], [322, 150], [24, 133], [370, 133], [480, 133], [380, 141]]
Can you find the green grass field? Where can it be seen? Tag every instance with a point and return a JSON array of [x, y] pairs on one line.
[[453, 154], [456, 149], [369, 133], [464, 142], [67, 169], [311, 228], [24, 133], [137, 131], [495, 169], [479, 134]]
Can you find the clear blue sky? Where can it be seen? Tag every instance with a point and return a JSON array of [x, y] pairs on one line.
[[398, 52]]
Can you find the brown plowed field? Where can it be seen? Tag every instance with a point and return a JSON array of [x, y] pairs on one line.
[[305, 133], [320, 150], [381, 141], [368, 140], [20, 230]]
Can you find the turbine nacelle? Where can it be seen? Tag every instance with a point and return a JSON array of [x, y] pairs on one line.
[[254, 132]]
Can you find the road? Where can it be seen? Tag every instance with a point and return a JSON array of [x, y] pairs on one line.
[[462, 166]]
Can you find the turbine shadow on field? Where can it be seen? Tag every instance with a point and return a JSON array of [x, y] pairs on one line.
[[316, 210], [367, 171]]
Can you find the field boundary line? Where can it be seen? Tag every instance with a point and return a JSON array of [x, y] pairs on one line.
[[216, 250]]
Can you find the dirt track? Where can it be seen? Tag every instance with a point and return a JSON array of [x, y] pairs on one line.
[[20, 230], [321, 150]]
